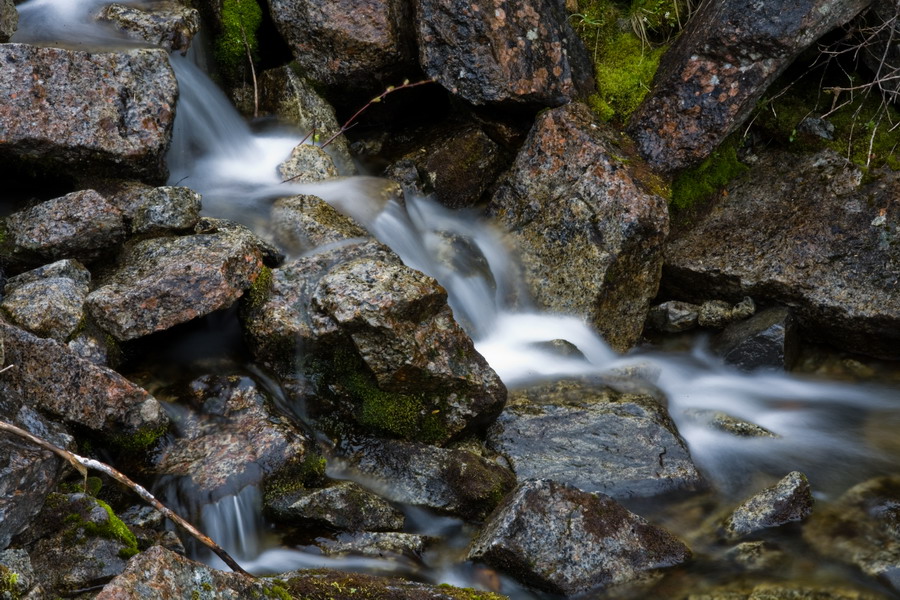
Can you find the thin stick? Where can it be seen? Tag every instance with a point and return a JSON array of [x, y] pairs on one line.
[[82, 464], [252, 72]]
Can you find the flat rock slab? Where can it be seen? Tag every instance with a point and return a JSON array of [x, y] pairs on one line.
[[565, 541], [124, 102], [588, 435], [802, 232], [163, 282], [589, 235]]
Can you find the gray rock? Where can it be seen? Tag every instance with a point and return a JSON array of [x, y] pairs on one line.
[[712, 77], [344, 505], [301, 223], [169, 25], [307, 163], [125, 102], [589, 235], [817, 127], [562, 540], [48, 301], [457, 482], [767, 340], [802, 232], [788, 501], [718, 420], [385, 545], [155, 210], [163, 282], [9, 20], [526, 54], [714, 314], [586, 434], [673, 316], [18, 562], [81, 225]]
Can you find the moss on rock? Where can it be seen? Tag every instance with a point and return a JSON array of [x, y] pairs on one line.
[[710, 176], [240, 20]]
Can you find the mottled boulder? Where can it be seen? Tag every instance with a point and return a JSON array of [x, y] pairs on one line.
[[233, 440], [452, 481], [307, 163], [862, 528], [301, 223], [344, 505], [384, 545], [169, 25], [586, 434], [50, 378], [9, 20], [488, 52], [80, 225], [769, 339], [154, 210], [125, 102], [348, 43], [589, 235], [48, 301], [788, 501], [163, 282], [711, 79], [565, 541], [803, 233]]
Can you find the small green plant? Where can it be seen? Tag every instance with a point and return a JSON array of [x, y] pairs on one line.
[[237, 39]]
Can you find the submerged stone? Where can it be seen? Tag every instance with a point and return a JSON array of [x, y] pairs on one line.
[[301, 223], [721, 421], [788, 501], [769, 339]]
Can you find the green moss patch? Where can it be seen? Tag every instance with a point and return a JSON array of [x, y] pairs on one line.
[[240, 21], [709, 177], [261, 289]]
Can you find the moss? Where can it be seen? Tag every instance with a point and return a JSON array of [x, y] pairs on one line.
[[277, 591], [114, 529], [468, 593], [9, 584], [260, 290], [710, 176], [140, 440], [240, 21]]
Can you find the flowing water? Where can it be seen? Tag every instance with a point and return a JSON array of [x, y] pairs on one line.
[[836, 433]]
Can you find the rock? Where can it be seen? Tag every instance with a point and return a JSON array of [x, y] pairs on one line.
[[307, 163], [714, 314], [375, 545], [718, 420], [788, 501], [9, 20], [82, 225], [802, 233], [861, 529], [758, 557], [786, 591], [48, 301], [712, 77], [489, 53], [301, 223], [169, 25], [565, 541], [344, 505], [50, 378], [673, 316], [457, 482], [163, 282], [348, 43], [125, 102], [585, 434], [25, 584], [234, 440], [767, 340], [155, 210], [589, 235]]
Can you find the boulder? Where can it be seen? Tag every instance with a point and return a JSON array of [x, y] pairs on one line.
[[588, 435], [344, 505], [490, 53], [48, 301], [307, 163], [712, 77], [589, 235], [162, 282], [152, 210], [802, 232], [382, 545], [169, 25], [351, 44], [788, 501], [9, 20], [125, 102], [769, 339], [452, 481], [565, 541]]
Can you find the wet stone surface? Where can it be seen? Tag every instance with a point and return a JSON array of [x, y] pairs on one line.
[[344, 505], [788, 501], [166, 24], [769, 339]]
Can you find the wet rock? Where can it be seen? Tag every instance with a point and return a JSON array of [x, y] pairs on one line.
[[590, 237], [788, 501], [823, 246], [375, 545], [80, 225], [55, 381], [163, 282], [169, 25], [301, 223], [673, 316], [234, 440], [149, 527], [767, 340], [125, 102], [307, 163], [562, 540], [714, 314], [712, 77], [862, 528], [721, 421], [786, 591], [155, 210], [9, 20], [586, 434], [757, 557], [346, 43], [344, 505], [457, 482], [521, 54], [25, 584], [48, 301]]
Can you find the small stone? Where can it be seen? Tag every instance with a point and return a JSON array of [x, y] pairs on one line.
[[743, 309], [787, 501], [166, 24], [721, 421], [757, 557], [376, 545], [714, 314], [344, 505], [48, 301], [307, 163], [9, 20], [673, 316]]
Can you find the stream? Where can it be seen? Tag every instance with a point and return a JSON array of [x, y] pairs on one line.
[[836, 433]]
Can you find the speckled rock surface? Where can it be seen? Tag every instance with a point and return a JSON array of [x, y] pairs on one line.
[[826, 248], [125, 102], [385, 545], [452, 481], [167, 24], [307, 163], [788, 501], [9, 20], [26, 585], [673, 316], [301, 223], [588, 435], [589, 236], [710, 80], [562, 540], [155, 210], [488, 52], [344, 505], [787, 591], [721, 421], [769, 339]]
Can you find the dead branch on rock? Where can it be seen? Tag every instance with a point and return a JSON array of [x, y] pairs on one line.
[[252, 72], [82, 465]]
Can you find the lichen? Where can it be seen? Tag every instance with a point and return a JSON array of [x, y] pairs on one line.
[[708, 177], [240, 21]]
